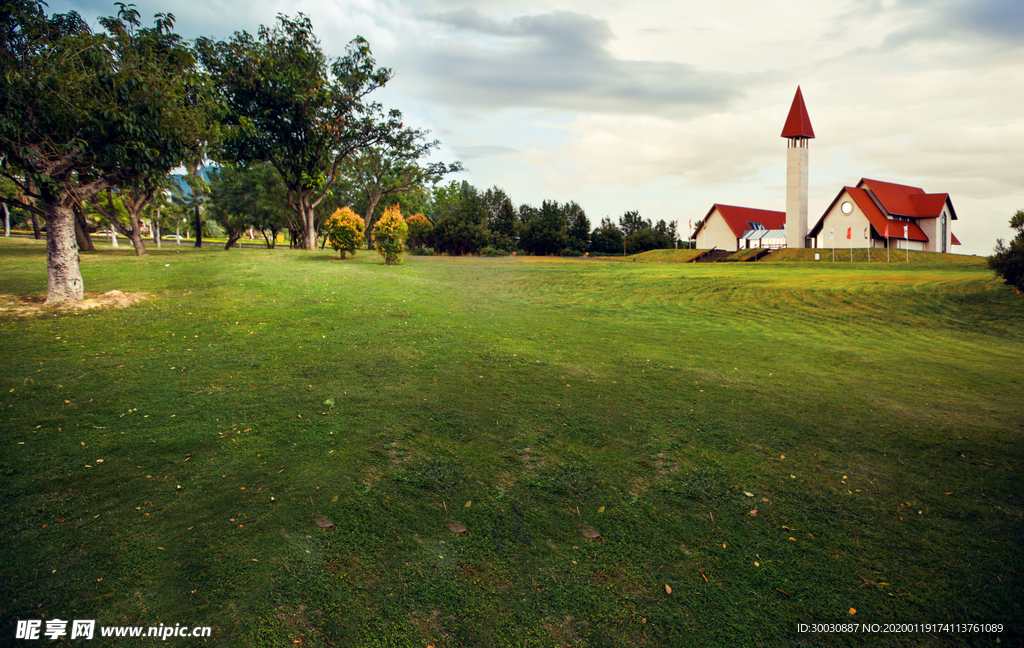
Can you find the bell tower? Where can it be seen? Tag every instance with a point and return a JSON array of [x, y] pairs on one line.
[[797, 132]]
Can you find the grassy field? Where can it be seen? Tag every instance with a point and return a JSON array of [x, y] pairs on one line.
[[756, 445]]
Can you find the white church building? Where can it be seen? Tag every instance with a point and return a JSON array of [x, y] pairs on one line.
[[872, 214]]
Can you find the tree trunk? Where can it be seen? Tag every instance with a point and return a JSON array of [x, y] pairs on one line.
[[82, 230], [64, 276], [309, 222], [35, 226], [368, 219], [199, 228], [135, 235], [7, 219]]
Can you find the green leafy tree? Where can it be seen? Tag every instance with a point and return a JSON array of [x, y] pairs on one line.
[[577, 227], [292, 106], [392, 166], [502, 220], [420, 229], [631, 223], [607, 239], [546, 232], [82, 112], [344, 231], [1008, 260], [391, 233], [460, 219]]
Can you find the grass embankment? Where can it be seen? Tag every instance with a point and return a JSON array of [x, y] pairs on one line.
[[776, 444]]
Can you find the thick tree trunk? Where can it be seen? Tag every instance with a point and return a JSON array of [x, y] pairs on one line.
[[64, 276], [309, 222], [135, 235], [35, 226], [82, 230], [7, 219], [199, 228]]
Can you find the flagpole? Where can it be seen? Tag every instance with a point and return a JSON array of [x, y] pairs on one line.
[[832, 237], [867, 235], [887, 241], [906, 237], [851, 244]]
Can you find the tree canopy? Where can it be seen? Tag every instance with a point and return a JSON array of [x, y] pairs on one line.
[[294, 107], [1008, 260], [81, 112]]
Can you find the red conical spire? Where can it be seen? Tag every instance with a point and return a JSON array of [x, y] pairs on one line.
[[798, 124]]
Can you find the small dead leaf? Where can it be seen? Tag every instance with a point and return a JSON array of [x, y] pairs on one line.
[[757, 564], [668, 590], [853, 611], [600, 510], [323, 522], [334, 499], [753, 512], [748, 494], [457, 527], [468, 504], [589, 533]]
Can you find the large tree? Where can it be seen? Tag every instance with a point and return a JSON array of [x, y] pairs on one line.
[[81, 112], [291, 105], [1008, 260], [393, 166]]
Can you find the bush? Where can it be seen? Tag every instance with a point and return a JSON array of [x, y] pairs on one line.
[[421, 251], [569, 252], [493, 252], [344, 231], [389, 235]]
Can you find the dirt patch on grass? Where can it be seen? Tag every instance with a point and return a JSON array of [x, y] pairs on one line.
[[35, 304]]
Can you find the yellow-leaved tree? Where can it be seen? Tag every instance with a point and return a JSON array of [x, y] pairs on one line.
[[344, 231], [389, 235]]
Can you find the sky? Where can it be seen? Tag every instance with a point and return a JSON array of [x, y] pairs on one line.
[[670, 107]]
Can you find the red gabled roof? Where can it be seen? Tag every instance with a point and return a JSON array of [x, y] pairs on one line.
[[904, 200], [798, 123], [737, 218], [956, 241], [875, 217]]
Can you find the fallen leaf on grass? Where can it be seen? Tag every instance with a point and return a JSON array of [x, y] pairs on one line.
[[323, 522], [457, 527], [853, 611], [753, 513], [600, 510], [589, 533], [668, 590]]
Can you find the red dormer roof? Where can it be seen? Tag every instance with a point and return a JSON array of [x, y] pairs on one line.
[[798, 123], [904, 200], [739, 218]]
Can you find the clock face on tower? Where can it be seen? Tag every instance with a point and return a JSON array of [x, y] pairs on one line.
[[847, 208]]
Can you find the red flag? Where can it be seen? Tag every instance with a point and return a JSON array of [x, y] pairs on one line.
[[849, 232]]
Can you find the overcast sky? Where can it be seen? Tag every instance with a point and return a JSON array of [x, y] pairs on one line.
[[669, 107]]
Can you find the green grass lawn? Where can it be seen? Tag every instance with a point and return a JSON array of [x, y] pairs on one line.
[[776, 443]]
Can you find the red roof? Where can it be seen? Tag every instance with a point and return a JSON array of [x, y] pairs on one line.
[[875, 216], [798, 123], [956, 241], [739, 218], [903, 200]]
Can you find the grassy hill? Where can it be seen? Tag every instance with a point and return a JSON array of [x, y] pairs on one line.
[[755, 445]]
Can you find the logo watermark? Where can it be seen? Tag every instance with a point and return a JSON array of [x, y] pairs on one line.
[[54, 629]]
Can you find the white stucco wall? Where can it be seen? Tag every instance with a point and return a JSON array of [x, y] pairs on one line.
[[716, 233], [836, 218]]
